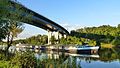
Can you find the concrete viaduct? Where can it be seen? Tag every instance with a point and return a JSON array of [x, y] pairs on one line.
[[40, 21]]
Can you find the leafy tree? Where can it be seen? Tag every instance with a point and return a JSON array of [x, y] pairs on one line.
[[63, 40], [11, 16], [34, 40], [103, 34], [118, 25], [44, 39], [3, 29], [116, 41], [52, 40], [14, 29], [3, 22]]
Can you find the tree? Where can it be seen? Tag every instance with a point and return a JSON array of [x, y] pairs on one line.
[[34, 40], [3, 22], [3, 29], [14, 29], [52, 40], [11, 15], [63, 40], [118, 25], [101, 34], [44, 39], [116, 41]]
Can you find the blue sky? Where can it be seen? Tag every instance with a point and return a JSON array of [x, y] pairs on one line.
[[73, 14]]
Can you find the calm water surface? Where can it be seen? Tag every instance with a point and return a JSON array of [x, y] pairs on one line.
[[106, 58]]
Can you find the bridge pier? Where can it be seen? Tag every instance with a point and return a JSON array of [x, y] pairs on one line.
[[49, 37], [57, 36], [65, 36], [60, 35]]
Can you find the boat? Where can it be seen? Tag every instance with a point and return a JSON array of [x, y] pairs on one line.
[[85, 55], [87, 47], [84, 49]]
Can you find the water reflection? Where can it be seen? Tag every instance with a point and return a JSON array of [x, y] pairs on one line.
[[106, 58]]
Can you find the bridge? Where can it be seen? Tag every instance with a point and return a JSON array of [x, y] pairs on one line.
[[40, 21]]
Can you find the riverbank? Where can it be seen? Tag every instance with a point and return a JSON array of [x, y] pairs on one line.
[[53, 59], [33, 60]]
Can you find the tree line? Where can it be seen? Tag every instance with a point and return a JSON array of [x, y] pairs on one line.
[[34, 40], [103, 34]]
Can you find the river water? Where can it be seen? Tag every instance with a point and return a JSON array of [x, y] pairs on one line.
[[105, 58]]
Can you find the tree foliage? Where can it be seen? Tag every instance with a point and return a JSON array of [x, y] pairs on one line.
[[103, 34], [11, 16], [34, 40], [3, 29], [53, 40]]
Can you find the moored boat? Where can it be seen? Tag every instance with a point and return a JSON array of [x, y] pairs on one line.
[[88, 48], [83, 49]]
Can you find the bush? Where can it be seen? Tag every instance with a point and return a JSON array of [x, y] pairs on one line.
[[116, 41], [25, 60]]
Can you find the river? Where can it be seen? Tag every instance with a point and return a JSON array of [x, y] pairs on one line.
[[105, 58]]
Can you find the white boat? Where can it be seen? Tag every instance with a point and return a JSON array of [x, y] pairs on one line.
[[84, 55], [86, 47]]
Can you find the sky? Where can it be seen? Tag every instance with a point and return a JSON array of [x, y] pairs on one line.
[[73, 14]]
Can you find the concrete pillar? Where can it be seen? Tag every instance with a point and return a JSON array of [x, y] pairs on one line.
[[60, 35], [65, 36], [49, 37], [56, 35]]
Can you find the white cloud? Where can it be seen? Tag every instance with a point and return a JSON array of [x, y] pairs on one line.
[[68, 26], [30, 31]]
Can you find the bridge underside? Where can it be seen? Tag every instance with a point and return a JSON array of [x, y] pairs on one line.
[[44, 23]]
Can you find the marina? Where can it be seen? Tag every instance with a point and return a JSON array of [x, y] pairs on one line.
[[77, 49]]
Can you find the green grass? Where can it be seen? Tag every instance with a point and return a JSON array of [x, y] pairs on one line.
[[4, 64], [106, 45]]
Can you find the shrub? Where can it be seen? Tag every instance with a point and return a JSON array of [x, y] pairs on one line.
[[24, 60], [116, 41]]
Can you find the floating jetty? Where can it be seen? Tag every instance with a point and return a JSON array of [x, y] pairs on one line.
[[75, 49]]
